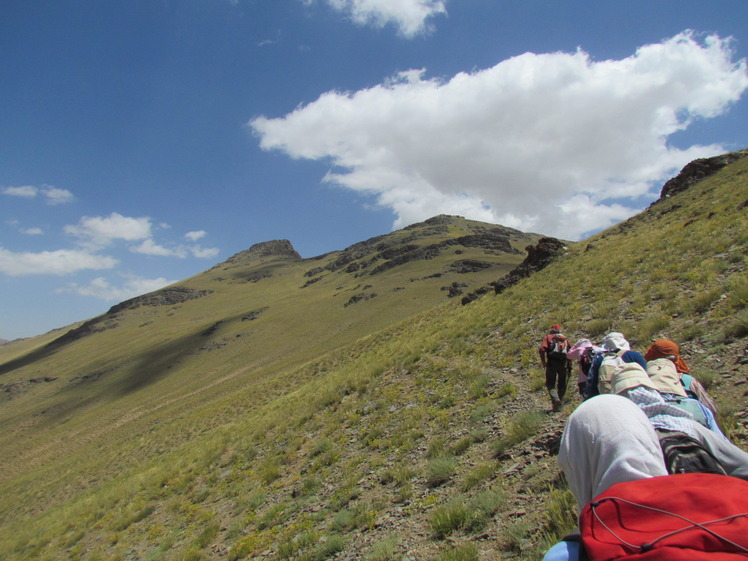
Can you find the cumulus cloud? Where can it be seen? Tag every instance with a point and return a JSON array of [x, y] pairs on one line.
[[410, 17], [26, 191], [203, 252], [60, 262], [556, 143], [149, 247], [101, 288], [196, 235], [33, 231], [57, 196], [53, 195], [101, 231]]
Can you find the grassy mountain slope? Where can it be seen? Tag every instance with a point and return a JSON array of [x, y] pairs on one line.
[[423, 436]]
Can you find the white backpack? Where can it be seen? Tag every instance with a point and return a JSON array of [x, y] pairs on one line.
[[608, 367]]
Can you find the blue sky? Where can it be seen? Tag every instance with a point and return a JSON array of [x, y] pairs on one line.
[[142, 142]]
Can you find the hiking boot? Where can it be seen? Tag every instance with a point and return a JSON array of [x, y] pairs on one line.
[[555, 401]]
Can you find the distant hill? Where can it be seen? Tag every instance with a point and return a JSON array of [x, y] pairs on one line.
[[350, 406]]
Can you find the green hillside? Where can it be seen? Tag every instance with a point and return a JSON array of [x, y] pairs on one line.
[[345, 407]]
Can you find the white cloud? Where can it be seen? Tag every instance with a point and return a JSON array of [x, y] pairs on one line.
[[101, 231], [101, 288], [409, 16], [556, 143], [149, 247], [53, 195], [60, 262], [57, 196], [196, 235], [204, 252], [27, 191], [33, 231]]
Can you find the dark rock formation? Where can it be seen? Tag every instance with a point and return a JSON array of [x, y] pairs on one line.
[[475, 294], [361, 297], [697, 170], [465, 266], [454, 289], [538, 257], [169, 296], [254, 314], [165, 297], [274, 248]]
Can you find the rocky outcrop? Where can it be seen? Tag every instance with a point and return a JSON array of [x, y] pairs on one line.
[[361, 297], [697, 170], [383, 253], [273, 248], [169, 296], [538, 257], [165, 297]]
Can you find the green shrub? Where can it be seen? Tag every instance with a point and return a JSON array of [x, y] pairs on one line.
[[465, 516], [519, 429], [463, 552], [440, 470], [480, 473], [560, 517], [706, 376], [399, 474], [438, 448], [321, 447], [738, 327], [384, 551]]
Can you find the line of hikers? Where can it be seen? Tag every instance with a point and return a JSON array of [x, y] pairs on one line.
[[644, 418]]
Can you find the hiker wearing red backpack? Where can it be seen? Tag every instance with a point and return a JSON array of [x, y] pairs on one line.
[[553, 352], [630, 507]]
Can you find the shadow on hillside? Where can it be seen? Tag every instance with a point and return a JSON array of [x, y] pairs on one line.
[[156, 363], [27, 359], [143, 370]]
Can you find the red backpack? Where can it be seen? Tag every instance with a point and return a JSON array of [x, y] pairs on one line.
[[681, 517]]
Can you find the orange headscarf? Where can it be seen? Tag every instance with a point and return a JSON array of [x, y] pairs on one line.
[[664, 348]]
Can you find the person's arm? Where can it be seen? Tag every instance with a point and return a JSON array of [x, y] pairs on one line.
[[542, 351], [702, 395], [563, 551], [711, 421]]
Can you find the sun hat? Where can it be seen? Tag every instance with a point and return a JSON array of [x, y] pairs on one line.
[[615, 341], [628, 376], [665, 376]]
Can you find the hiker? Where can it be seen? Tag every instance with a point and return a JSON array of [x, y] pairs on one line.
[[553, 350], [664, 348], [663, 373], [608, 441], [616, 351], [659, 393], [584, 353]]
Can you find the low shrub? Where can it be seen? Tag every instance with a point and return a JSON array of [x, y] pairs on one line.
[[440, 470]]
